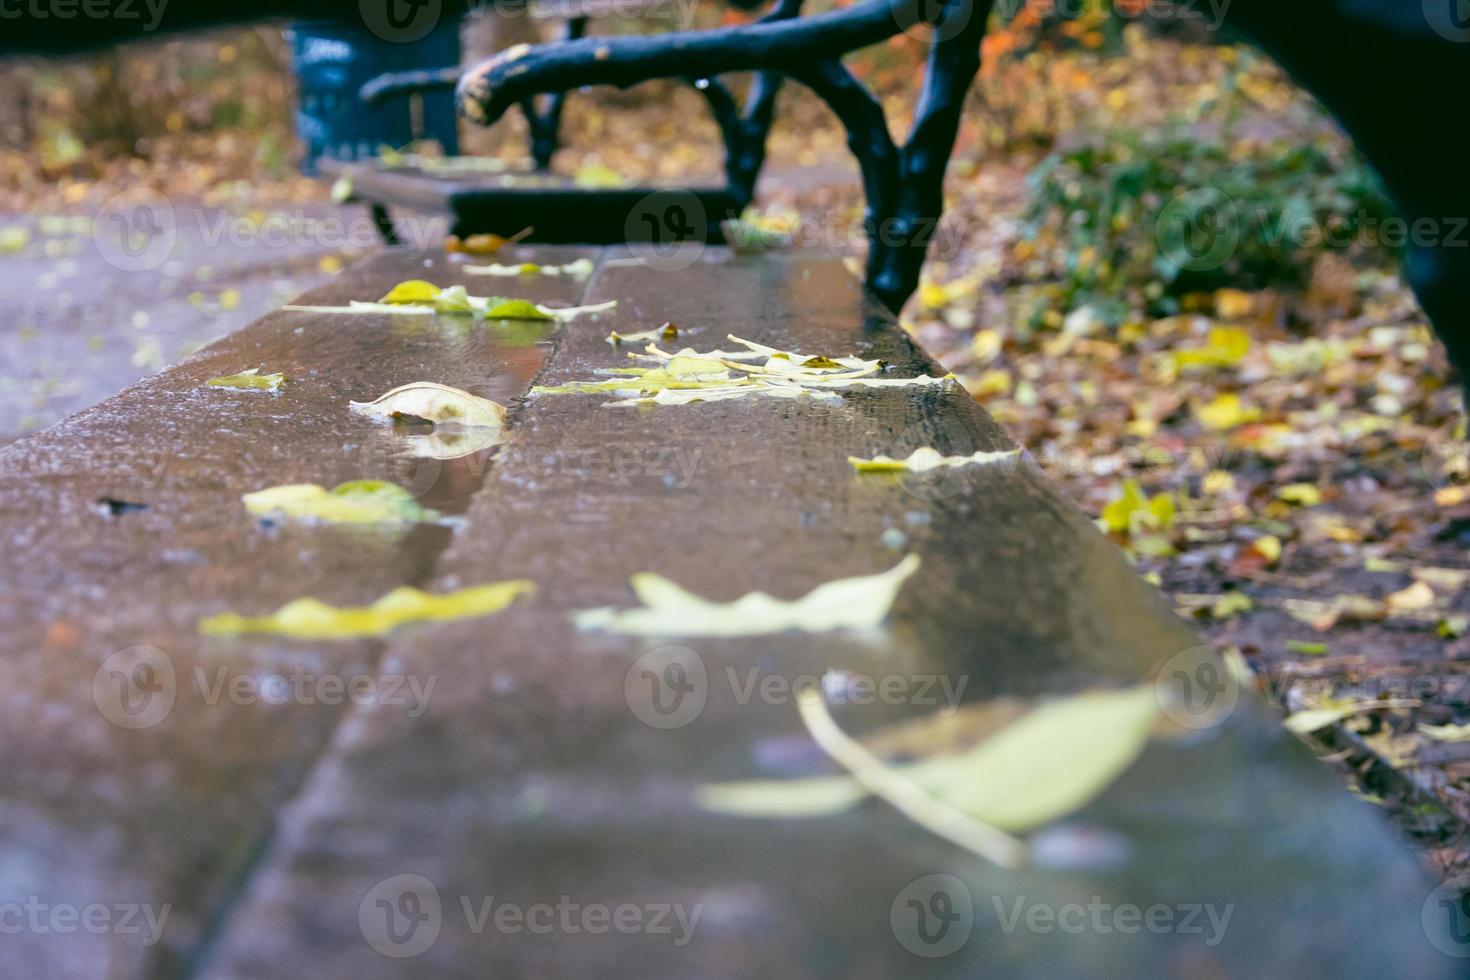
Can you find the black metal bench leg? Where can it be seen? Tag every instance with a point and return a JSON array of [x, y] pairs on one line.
[[383, 221]]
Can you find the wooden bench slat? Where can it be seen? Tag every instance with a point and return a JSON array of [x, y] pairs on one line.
[[175, 813]]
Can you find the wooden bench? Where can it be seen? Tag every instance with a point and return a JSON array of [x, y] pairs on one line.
[[277, 831]]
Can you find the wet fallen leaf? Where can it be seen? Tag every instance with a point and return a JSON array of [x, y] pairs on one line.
[[311, 619], [251, 380], [434, 403], [669, 610], [717, 393], [417, 296], [356, 502], [1051, 762], [581, 269], [927, 458]]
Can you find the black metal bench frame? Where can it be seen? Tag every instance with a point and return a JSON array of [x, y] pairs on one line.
[[570, 213], [903, 183]]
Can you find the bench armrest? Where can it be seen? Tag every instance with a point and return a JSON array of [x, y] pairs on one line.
[[903, 184]]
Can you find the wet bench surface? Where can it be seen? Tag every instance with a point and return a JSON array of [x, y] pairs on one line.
[[287, 836]]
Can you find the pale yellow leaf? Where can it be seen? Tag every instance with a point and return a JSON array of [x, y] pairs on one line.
[[669, 610]]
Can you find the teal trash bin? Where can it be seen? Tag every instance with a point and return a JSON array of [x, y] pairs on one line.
[[332, 60]]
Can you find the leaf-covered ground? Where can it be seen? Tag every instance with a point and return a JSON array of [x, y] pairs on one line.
[[1279, 450]]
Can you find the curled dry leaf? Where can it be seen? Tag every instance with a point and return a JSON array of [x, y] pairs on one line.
[[251, 380], [690, 376], [862, 602], [927, 458], [312, 619], [435, 403], [717, 393], [356, 502]]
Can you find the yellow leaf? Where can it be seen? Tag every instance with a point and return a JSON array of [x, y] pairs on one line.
[[416, 292], [1234, 304], [1132, 512], [356, 502], [1226, 347], [1301, 494], [1226, 412], [1054, 760], [249, 380], [1268, 547], [668, 610], [597, 175], [311, 619]]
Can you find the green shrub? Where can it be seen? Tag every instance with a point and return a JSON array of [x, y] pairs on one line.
[[1136, 223]]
